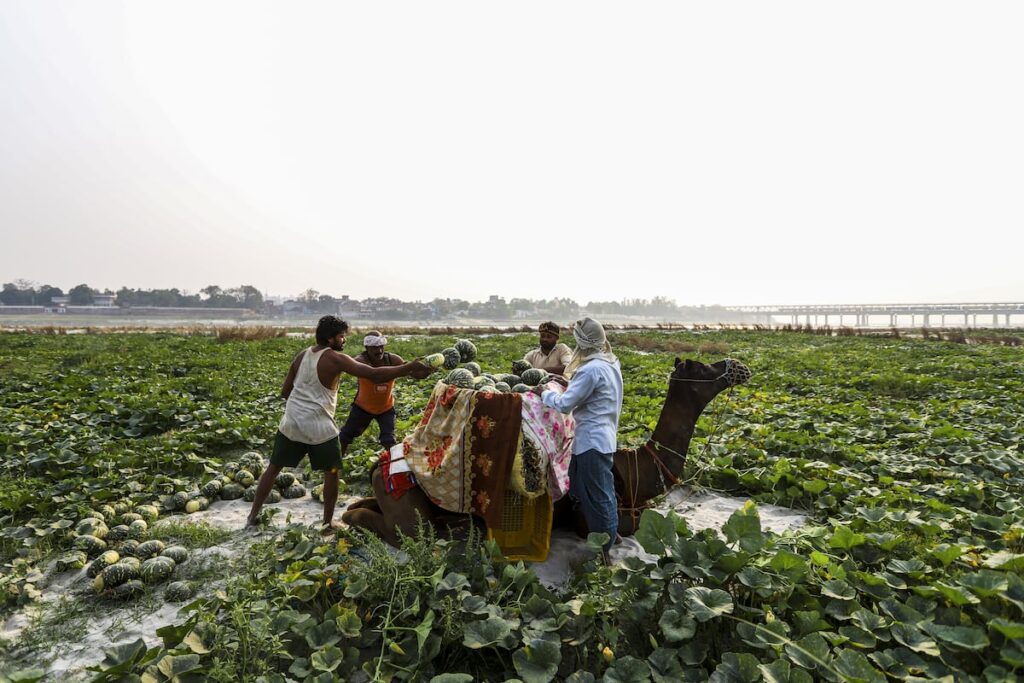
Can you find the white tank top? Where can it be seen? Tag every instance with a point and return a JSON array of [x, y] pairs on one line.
[[309, 412]]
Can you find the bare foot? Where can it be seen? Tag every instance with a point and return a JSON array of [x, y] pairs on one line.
[[330, 527]]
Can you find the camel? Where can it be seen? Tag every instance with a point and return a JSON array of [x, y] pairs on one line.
[[641, 474]]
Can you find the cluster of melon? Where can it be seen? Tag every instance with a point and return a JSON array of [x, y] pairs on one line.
[[471, 376], [122, 561], [237, 480]]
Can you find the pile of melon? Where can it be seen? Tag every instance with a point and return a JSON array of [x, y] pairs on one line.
[[471, 376], [118, 558], [237, 480]]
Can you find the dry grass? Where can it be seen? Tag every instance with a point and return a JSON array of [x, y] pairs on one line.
[[249, 333]]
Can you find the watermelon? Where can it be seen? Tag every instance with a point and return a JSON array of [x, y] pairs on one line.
[[245, 477], [129, 517], [502, 387], [121, 507], [179, 591], [196, 504], [317, 493], [534, 376], [137, 529], [230, 468], [520, 366], [466, 349], [108, 512], [482, 381], [294, 491], [284, 480], [175, 502], [177, 553], [118, 533], [212, 489], [102, 562], [91, 526], [460, 377], [133, 562], [473, 367], [249, 495], [157, 569], [90, 544], [148, 512], [232, 491], [434, 360], [273, 497], [127, 590], [451, 358], [149, 549], [520, 388], [129, 547], [253, 462], [113, 576], [74, 559]]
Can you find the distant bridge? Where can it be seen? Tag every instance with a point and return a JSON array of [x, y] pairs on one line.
[[926, 315]]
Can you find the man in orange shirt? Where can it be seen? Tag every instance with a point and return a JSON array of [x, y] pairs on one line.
[[374, 400]]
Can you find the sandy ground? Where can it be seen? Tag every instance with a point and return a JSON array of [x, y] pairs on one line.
[[126, 624]]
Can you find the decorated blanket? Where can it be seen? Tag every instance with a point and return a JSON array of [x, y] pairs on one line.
[[471, 445]]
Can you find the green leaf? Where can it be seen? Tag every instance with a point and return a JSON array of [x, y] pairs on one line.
[[172, 666], [656, 532], [538, 661], [1011, 629], [1004, 559], [744, 527], [665, 666], [628, 669], [736, 668], [964, 637], [986, 582], [912, 637], [323, 634], [844, 539], [580, 676], [326, 658], [839, 590], [676, 625], [452, 678], [423, 630], [810, 652], [490, 631], [348, 623], [707, 603], [855, 668], [22, 675], [946, 553], [790, 565], [195, 643], [780, 671]]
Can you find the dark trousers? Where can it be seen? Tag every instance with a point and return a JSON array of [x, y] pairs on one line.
[[358, 420], [592, 483]]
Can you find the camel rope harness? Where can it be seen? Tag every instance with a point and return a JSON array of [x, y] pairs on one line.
[[735, 373]]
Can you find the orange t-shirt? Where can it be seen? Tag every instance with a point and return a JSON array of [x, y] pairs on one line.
[[375, 398]]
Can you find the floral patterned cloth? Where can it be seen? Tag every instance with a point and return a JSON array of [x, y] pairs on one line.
[[552, 433], [463, 449]]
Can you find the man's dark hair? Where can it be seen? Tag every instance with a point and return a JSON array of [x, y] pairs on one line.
[[328, 327]]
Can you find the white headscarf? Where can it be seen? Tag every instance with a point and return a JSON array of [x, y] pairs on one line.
[[375, 339], [591, 344]]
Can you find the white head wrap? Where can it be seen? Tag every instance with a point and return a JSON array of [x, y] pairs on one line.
[[375, 340], [591, 344]]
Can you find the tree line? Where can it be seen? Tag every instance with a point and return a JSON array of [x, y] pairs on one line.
[[26, 293]]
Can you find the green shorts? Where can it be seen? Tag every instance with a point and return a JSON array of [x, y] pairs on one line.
[[324, 456]]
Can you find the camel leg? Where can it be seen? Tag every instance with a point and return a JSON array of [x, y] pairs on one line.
[[365, 504], [394, 515]]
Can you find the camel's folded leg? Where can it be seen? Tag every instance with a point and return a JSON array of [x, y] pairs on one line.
[[365, 504]]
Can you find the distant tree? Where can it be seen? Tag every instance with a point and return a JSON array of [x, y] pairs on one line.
[[310, 296], [81, 295], [47, 293], [12, 295]]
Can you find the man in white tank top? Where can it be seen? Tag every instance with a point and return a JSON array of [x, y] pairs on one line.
[[308, 427]]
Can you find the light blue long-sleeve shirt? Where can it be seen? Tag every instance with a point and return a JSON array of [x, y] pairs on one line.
[[594, 397]]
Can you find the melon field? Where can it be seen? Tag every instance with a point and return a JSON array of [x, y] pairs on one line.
[[905, 454]]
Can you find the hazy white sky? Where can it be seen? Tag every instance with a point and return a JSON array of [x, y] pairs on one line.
[[727, 152]]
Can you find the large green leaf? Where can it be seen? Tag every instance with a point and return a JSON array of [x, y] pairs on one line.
[[677, 625], [810, 652], [844, 538], [780, 671], [736, 668], [855, 668], [913, 638], [326, 658], [708, 603], [490, 631], [628, 669], [965, 637], [656, 532], [744, 527], [537, 662]]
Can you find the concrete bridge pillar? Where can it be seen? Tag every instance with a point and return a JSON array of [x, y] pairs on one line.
[[927, 320]]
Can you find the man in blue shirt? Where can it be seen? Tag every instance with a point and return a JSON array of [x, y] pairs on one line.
[[594, 397]]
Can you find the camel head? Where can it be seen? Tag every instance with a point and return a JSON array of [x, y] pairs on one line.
[[715, 377]]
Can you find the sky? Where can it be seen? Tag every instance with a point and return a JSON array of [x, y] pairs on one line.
[[715, 153]]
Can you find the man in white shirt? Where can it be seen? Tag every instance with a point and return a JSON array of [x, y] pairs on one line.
[[552, 355], [594, 397]]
